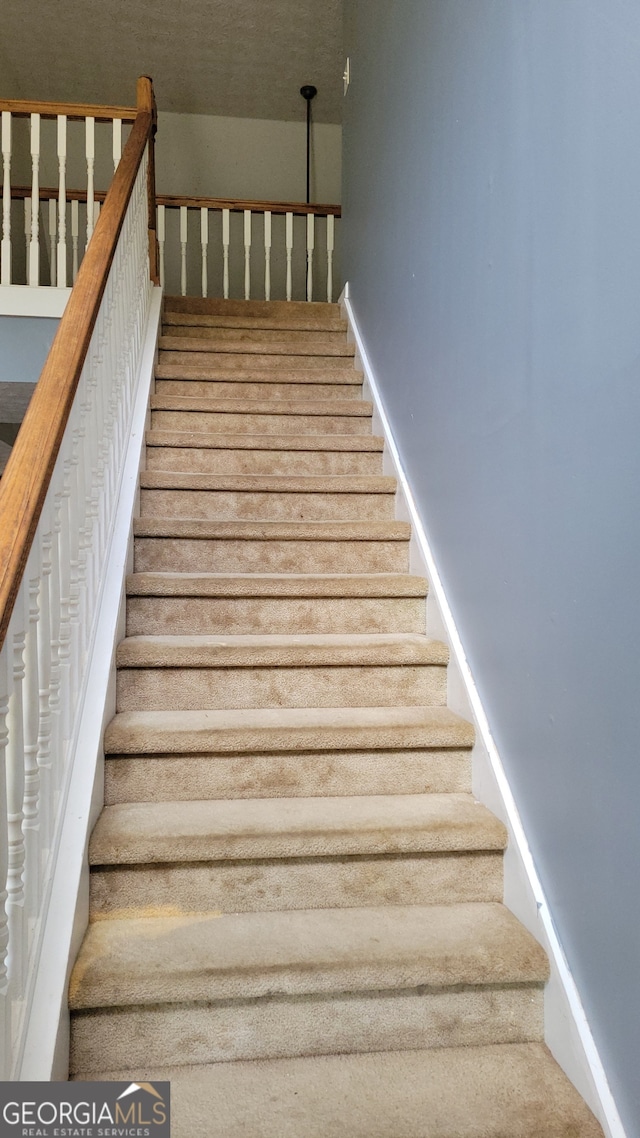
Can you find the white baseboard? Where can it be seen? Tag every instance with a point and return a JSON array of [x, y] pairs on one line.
[[567, 1033], [25, 300], [46, 1052]]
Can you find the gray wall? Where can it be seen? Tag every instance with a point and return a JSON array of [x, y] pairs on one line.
[[492, 232], [24, 344]]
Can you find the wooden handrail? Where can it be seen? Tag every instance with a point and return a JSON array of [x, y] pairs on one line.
[[239, 205], [24, 107], [28, 472], [193, 203]]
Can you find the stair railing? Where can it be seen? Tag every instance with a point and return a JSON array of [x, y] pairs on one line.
[[240, 266], [60, 142], [57, 506]]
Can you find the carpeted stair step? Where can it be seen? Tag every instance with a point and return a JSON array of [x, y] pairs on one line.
[[300, 322], [211, 987], [254, 497], [264, 454], [261, 416], [214, 335], [281, 310], [277, 854], [504, 1091], [191, 604], [231, 369], [298, 348], [260, 385], [185, 673], [286, 729], [195, 545]]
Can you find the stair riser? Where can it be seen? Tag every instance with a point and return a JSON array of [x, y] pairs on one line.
[[219, 389], [238, 505], [202, 460], [323, 883], [156, 689], [281, 311], [223, 422], [192, 616], [275, 1028], [293, 358], [317, 325], [262, 335], [176, 778], [172, 555]]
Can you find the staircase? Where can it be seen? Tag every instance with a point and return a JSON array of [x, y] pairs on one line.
[[295, 901]]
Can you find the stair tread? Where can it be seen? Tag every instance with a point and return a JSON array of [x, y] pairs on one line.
[[217, 306], [295, 952], [370, 530], [333, 408], [249, 332], [162, 832], [286, 729], [513, 1090], [299, 650], [269, 483], [203, 441], [216, 371], [298, 323], [257, 347], [276, 584]]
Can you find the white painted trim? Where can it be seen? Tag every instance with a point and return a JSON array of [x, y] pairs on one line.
[[567, 1032], [22, 300], [46, 1049]]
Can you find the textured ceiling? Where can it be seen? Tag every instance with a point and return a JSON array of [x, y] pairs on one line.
[[245, 58]]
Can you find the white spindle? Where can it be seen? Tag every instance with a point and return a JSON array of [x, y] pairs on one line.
[[75, 234], [204, 242], [62, 201], [289, 245], [267, 255], [34, 247], [161, 239], [330, 247], [90, 154], [225, 252], [117, 143], [53, 253], [184, 231], [5, 245], [15, 790], [27, 230], [310, 247], [247, 254]]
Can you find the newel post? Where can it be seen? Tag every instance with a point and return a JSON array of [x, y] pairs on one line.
[[146, 101]]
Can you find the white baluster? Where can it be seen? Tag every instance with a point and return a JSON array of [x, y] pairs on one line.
[[267, 255], [27, 231], [5, 1000], [15, 795], [90, 154], [117, 143], [225, 252], [204, 241], [184, 233], [62, 201], [5, 245], [53, 222], [75, 234], [330, 247], [289, 245], [31, 725], [34, 247], [247, 254], [161, 242], [310, 247]]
